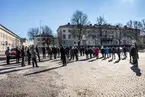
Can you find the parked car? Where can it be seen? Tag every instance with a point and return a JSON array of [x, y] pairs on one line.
[[12, 53]]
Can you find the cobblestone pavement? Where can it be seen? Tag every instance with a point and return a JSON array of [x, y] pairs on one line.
[[84, 78]]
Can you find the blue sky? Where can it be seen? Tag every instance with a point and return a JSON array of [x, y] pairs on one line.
[[20, 15]]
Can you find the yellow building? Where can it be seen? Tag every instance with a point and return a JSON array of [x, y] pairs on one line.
[[8, 39]]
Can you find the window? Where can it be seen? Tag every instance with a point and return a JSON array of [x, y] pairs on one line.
[[63, 30], [63, 42], [38, 39], [64, 36], [74, 42], [74, 36], [69, 36], [69, 30]]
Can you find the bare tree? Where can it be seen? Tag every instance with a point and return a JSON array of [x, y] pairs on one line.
[[135, 26], [130, 24], [32, 33], [47, 35], [79, 19], [143, 25], [46, 30], [100, 23]]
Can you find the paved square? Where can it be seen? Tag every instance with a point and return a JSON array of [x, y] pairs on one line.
[[84, 78]]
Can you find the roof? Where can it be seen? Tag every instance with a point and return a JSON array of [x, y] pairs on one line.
[[43, 35], [23, 39], [9, 31], [90, 26]]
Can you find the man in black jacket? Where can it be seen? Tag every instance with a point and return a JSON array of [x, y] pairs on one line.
[[124, 51], [44, 53], [23, 56], [76, 53], [17, 55], [29, 56], [63, 56], [54, 51], [135, 56]]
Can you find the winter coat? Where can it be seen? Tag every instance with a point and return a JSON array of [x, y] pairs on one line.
[[96, 51]]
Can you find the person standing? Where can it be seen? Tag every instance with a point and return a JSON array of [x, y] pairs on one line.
[[130, 54], [17, 55], [113, 53], [135, 55], [29, 56], [97, 53], [38, 54], [71, 53], [54, 51], [76, 53], [44, 53], [106, 52], [86, 52], [63, 56], [90, 52], [81, 51], [124, 51], [34, 57], [7, 55], [102, 52], [67, 51], [23, 56], [118, 53]]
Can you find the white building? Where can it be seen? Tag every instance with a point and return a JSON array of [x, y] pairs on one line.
[[45, 40], [110, 35], [8, 39]]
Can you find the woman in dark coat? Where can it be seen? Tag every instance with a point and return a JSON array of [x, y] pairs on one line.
[[102, 52]]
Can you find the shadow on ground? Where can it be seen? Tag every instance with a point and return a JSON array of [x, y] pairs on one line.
[[136, 70], [45, 70], [83, 59], [15, 70], [110, 60], [117, 61], [10, 68], [92, 60]]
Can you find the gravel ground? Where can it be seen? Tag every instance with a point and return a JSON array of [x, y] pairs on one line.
[[84, 78]]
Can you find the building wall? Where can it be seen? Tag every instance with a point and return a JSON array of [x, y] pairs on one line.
[[7, 39], [111, 37], [25, 43], [38, 41]]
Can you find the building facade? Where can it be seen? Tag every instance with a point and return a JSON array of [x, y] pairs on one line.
[[8, 39], [142, 38], [109, 35], [25, 42], [45, 40]]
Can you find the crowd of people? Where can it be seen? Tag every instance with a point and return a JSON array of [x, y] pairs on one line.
[[31, 54]]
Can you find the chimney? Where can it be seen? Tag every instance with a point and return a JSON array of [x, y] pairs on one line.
[[68, 24]]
